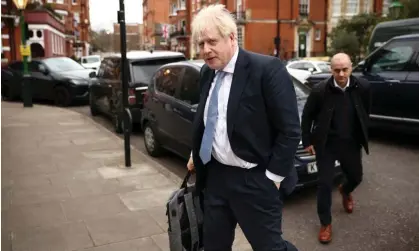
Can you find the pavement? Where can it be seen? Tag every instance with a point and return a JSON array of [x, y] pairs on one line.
[[65, 187]]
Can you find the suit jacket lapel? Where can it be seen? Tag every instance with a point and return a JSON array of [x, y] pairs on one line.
[[240, 80]]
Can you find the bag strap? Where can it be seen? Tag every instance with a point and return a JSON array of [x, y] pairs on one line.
[[185, 181], [193, 224]]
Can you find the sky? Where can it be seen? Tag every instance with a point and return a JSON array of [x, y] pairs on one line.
[[103, 13]]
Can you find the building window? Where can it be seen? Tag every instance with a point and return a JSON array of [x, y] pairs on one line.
[[182, 4], [336, 8], [77, 17], [59, 1], [367, 6], [74, 1], [386, 4], [318, 35], [174, 10], [304, 8], [352, 7]]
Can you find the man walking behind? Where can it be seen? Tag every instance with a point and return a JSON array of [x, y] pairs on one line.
[[335, 127], [245, 136]]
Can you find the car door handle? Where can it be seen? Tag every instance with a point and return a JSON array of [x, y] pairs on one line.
[[392, 81], [193, 109]]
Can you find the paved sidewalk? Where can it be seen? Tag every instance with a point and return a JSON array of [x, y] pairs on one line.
[[65, 187]]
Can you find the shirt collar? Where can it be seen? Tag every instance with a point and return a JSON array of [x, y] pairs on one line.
[[342, 88], [232, 64]]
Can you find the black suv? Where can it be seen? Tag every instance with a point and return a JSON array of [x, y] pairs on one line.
[[106, 87], [393, 72], [58, 79], [170, 104]]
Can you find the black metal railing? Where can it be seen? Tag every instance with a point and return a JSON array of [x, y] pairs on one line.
[[240, 16], [178, 32]]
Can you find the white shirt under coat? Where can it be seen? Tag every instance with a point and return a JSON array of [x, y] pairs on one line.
[[221, 148]]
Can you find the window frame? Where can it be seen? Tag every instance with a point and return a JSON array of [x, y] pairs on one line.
[[156, 81], [390, 46], [178, 93]]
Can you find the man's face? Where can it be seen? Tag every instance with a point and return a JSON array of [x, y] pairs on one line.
[[341, 69], [216, 50]]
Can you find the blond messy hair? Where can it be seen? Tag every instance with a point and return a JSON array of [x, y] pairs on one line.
[[213, 16]]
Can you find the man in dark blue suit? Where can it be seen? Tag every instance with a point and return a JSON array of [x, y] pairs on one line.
[[245, 136]]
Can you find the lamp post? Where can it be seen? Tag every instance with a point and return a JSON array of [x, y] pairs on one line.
[[395, 9], [124, 70], [25, 52]]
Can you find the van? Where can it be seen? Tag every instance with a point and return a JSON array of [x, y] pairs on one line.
[[105, 90]]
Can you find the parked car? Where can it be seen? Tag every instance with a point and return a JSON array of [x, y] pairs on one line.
[[393, 72], [59, 79], [106, 87], [310, 66], [385, 31], [91, 62], [170, 104]]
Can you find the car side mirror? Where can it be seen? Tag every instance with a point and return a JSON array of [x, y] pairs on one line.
[[311, 70], [194, 107], [362, 66], [43, 69], [92, 74]]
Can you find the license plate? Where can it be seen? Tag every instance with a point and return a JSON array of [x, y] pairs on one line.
[[312, 167]]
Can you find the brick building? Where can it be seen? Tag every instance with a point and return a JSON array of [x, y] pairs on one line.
[[76, 19], [339, 9], [302, 26], [179, 32], [155, 18], [55, 28], [134, 37]]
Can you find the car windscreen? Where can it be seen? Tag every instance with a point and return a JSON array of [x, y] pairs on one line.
[[62, 64], [142, 71], [302, 92], [89, 60], [324, 67]]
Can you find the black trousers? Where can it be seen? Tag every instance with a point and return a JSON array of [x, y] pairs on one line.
[[348, 153], [247, 197]]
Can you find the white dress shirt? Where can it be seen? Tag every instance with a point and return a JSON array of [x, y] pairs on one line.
[[221, 150], [342, 88]]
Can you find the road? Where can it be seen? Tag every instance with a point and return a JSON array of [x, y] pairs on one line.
[[386, 215]]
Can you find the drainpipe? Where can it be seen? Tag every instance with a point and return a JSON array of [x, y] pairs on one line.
[[326, 24], [277, 39]]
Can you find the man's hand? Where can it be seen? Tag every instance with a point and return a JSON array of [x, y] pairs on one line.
[[190, 165], [310, 149]]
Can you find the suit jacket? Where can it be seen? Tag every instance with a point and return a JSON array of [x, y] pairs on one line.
[[263, 124], [318, 111]]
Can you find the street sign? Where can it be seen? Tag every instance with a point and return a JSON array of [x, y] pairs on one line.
[[25, 50]]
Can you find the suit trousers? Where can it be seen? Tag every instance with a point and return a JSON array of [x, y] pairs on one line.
[[348, 153], [245, 196]]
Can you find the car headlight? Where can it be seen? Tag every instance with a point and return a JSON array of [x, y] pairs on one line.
[[78, 82]]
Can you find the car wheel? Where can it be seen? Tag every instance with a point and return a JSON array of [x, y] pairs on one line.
[[94, 111], [153, 147], [62, 96]]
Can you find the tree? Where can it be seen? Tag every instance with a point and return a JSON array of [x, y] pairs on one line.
[[357, 28], [101, 40], [342, 41], [411, 8]]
